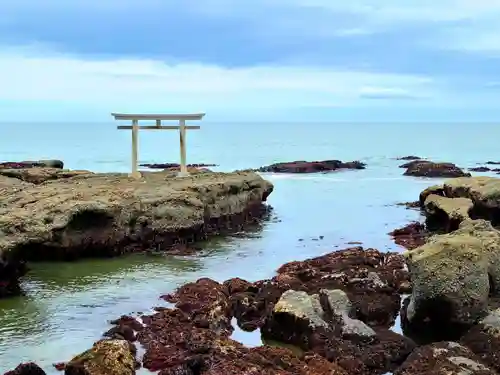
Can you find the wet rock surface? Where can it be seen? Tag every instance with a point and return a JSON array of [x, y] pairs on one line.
[[446, 214], [59, 164], [441, 358], [424, 168], [311, 166], [409, 157]]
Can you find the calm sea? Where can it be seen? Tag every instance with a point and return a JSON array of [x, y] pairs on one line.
[[67, 306]]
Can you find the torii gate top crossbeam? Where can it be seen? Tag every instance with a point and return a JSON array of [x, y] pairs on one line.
[[190, 116]]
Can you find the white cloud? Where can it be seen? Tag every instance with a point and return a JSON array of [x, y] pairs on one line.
[[30, 75]]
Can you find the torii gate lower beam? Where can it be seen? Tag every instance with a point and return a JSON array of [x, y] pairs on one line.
[[182, 127]]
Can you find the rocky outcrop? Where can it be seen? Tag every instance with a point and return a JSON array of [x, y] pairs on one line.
[[311, 166], [110, 214], [448, 358], [106, 357], [483, 169], [444, 213], [32, 164], [453, 275], [483, 192], [424, 168], [358, 294]]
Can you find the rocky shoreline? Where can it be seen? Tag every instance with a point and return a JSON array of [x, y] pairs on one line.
[[333, 314], [101, 215]]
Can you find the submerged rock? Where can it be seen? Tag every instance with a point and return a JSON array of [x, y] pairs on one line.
[[480, 169], [410, 236], [448, 358], [453, 275], [409, 157], [106, 357], [424, 168], [311, 166]]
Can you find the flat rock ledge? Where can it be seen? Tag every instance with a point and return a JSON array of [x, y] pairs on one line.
[[101, 215], [302, 166]]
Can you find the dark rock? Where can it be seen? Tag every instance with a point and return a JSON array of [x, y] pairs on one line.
[[441, 358], [311, 166], [410, 236], [10, 272], [26, 369], [176, 165], [414, 204], [480, 169], [423, 168], [409, 157], [493, 162], [484, 340]]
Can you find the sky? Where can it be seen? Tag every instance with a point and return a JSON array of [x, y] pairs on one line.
[[260, 59]]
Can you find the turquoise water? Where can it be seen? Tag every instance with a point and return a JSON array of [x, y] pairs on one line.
[[67, 306]]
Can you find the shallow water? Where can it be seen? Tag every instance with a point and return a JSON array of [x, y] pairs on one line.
[[67, 306]]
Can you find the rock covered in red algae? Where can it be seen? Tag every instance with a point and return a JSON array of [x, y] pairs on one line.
[[311, 166], [194, 336], [410, 236], [32, 164], [326, 323], [424, 168], [441, 358], [484, 340], [26, 369]]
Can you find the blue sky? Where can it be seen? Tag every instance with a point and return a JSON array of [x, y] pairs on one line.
[[360, 59]]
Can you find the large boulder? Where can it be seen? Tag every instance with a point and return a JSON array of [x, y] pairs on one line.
[[452, 276], [444, 213], [424, 168], [311, 166], [106, 357]]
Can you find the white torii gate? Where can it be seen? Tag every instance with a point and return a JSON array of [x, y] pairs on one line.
[[182, 127]]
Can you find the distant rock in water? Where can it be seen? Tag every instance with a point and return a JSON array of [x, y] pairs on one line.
[[409, 157], [176, 166], [302, 166], [423, 168], [480, 169], [493, 162], [32, 164]]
